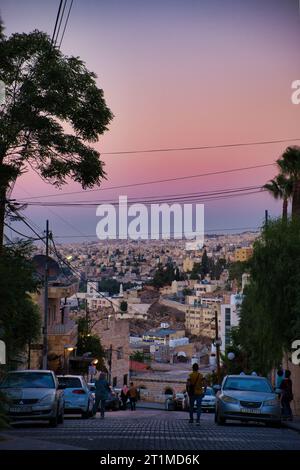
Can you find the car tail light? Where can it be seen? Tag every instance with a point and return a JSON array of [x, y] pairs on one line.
[[79, 392]]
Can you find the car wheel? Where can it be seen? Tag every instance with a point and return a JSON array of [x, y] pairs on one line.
[[53, 422], [85, 414], [61, 417], [274, 424], [219, 419]]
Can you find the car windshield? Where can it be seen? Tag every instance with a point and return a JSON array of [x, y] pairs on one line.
[[209, 391], [247, 384], [28, 380], [70, 382]]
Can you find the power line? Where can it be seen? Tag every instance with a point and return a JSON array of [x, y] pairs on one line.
[[21, 234], [204, 193], [166, 180], [64, 30], [56, 22], [61, 18], [183, 198], [203, 147], [213, 230]]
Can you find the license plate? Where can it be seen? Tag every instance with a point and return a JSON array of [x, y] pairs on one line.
[[21, 409], [251, 410]]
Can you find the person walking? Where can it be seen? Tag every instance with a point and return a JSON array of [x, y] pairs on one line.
[[286, 387], [124, 396], [195, 388], [132, 393], [101, 394]]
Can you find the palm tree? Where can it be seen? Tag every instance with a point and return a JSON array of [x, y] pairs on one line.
[[289, 165], [281, 187]]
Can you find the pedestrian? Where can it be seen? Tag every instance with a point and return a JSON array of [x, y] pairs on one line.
[[124, 396], [91, 372], [195, 388], [132, 393], [286, 387], [279, 377], [101, 394]]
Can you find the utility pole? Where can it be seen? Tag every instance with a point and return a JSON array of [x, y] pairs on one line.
[[217, 347], [266, 217], [46, 280], [110, 363]]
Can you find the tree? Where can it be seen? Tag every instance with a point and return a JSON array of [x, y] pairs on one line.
[[204, 268], [236, 270], [289, 165], [281, 187], [269, 317], [20, 319], [88, 342], [47, 93]]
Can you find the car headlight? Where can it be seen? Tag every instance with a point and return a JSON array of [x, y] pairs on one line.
[[272, 402], [46, 400], [228, 399]]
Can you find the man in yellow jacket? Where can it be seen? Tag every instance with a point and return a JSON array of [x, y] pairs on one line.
[[196, 389]]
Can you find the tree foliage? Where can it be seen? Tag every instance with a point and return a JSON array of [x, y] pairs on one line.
[[53, 110], [20, 320], [87, 342], [270, 313]]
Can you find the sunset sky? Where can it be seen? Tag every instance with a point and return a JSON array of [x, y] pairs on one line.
[[178, 73]]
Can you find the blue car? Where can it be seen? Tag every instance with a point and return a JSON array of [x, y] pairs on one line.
[[78, 397]]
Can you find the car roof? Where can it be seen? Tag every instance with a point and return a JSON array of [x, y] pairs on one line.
[[70, 376], [30, 371], [238, 376]]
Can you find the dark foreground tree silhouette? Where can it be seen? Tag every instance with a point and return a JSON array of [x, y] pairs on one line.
[[53, 109]]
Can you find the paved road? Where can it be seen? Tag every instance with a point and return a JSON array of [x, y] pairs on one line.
[[159, 430]]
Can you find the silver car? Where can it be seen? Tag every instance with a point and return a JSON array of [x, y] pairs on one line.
[[33, 395], [247, 398]]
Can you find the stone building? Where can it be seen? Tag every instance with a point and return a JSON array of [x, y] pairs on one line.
[[62, 331], [114, 336]]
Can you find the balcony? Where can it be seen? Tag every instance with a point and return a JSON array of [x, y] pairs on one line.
[[60, 290], [61, 328]]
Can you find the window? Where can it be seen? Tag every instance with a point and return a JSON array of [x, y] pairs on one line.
[[125, 379], [115, 380], [120, 353]]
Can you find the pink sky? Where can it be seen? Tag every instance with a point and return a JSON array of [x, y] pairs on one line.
[[179, 74]]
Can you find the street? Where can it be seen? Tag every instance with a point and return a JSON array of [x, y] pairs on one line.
[[155, 430]]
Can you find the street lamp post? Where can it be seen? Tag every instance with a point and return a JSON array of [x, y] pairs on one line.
[[66, 360]]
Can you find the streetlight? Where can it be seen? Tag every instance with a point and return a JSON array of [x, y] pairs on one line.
[[231, 356], [66, 362]]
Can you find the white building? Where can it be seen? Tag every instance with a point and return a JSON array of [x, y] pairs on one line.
[[229, 318]]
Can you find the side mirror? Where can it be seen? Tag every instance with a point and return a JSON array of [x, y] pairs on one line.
[[278, 391]]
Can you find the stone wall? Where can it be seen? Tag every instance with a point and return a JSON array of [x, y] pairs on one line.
[[153, 387]]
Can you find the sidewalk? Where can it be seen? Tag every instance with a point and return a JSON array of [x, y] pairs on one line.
[[20, 443], [295, 424], [150, 405]]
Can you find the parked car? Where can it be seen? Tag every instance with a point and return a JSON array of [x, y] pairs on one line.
[[113, 402], [34, 395], [247, 398], [209, 400], [78, 397]]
